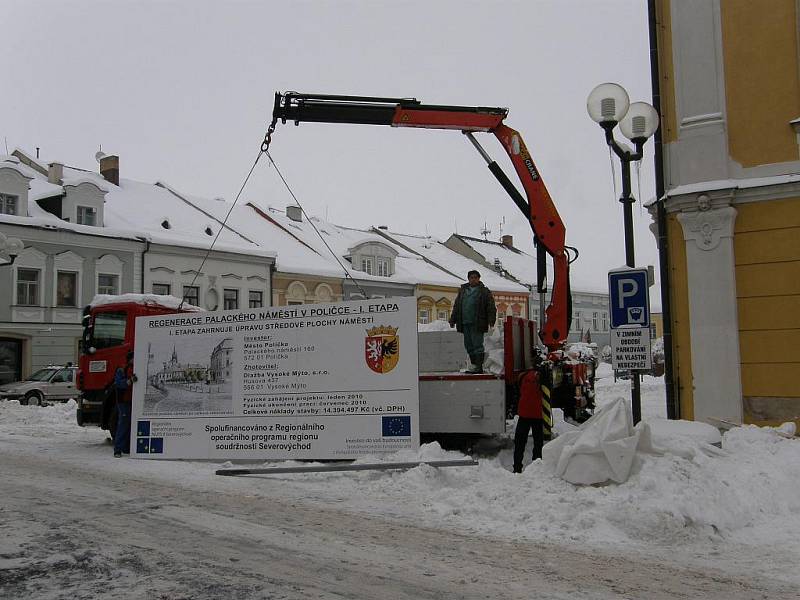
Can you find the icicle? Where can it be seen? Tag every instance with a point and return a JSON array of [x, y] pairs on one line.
[[639, 186], [613, 173]]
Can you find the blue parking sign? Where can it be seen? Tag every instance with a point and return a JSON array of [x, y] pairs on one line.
[[628, 293]]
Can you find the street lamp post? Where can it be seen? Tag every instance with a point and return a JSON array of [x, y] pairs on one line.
[[608, 105]]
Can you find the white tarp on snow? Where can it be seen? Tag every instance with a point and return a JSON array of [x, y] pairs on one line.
[[603, 448]]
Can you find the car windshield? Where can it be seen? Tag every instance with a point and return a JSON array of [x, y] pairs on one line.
[[109, 329], [42, 374]]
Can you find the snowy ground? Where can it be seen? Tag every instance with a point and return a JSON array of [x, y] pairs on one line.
[[76, 523]]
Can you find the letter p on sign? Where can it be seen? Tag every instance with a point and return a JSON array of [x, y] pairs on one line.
[[626, 288], [629, 298]]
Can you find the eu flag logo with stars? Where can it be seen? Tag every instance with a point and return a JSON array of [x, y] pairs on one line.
[[397, 426], [143, 428], [142, 445]]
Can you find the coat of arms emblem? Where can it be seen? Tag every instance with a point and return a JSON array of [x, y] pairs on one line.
[[382, 348]]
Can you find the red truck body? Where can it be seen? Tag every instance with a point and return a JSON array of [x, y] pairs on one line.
[[109, 327]]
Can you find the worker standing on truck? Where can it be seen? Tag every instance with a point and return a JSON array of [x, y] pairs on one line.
[[123, 387], [529, 411], [473, 312]]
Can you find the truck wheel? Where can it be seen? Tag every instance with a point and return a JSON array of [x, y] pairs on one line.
[[34, 399]]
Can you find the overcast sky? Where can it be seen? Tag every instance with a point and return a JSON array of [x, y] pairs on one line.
[[182, 91]]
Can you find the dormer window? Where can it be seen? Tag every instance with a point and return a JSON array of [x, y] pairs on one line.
[[8, 204], [373, 258], [87, 215], [366, 265]]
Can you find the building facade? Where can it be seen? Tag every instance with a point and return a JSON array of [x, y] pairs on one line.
[[730, 106], [86, 233]]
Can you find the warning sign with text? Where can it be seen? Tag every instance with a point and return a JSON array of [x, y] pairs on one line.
[[630, 349]]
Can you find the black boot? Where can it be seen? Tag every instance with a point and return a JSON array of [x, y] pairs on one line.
[[517, 468]]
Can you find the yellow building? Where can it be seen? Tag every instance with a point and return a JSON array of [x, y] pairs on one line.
[[730, 105]]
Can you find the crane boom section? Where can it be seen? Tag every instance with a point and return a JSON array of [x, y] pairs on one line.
[[544, 219]]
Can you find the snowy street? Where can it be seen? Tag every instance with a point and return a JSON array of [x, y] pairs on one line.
[[76, 523]]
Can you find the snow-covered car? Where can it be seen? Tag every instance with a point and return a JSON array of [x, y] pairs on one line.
[[50, 384]]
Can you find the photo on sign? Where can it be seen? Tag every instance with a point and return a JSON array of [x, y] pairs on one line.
[[194, 380]]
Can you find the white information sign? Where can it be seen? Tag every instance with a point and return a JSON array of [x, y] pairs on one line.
[[315, 381], [630, 348]]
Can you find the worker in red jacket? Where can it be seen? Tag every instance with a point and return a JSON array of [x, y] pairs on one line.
[[529, 420]]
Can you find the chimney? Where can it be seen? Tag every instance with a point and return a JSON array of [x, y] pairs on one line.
[[295, 213], [55, 173], [508, 241], [109, 169]]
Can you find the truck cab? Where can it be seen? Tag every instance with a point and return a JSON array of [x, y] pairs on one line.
[[109, 327]]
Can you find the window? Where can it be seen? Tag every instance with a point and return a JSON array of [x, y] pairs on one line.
[[63, 376], [66, 288], [383, 267], [28, 287], [442, 315], [576, 320], [255, 299], [107, 284], [594, 321], [294, 302], [8, 204], [87, 215], [191, 295], [230, 299], [161, 289], [605, 321], [366, 265], [424, 315]]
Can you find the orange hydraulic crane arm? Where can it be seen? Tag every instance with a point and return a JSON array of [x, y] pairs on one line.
[[547, 226]]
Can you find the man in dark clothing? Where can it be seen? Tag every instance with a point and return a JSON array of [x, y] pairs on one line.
[[123, 386], [529, 411], [473, 312]]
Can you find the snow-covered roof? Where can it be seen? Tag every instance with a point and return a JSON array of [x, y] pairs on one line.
[[13, 163], [455, 263], [409, 268], [134, 210], [520, 265], [262, 228], [723, 184]]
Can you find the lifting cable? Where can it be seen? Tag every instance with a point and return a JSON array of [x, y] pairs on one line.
[[303, 210], [265, 150], [224, 221]]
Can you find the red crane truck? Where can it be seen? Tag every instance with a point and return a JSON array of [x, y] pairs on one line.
[[568, 382]]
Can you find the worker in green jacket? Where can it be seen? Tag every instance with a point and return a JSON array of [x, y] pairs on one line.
[[473, 313]]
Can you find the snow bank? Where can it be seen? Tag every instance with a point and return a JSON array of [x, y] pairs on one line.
[[690, 499]]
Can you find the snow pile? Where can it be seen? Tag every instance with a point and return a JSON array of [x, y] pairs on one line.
[[146, 299], [582, 350], [435, 326], [693, 497]]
